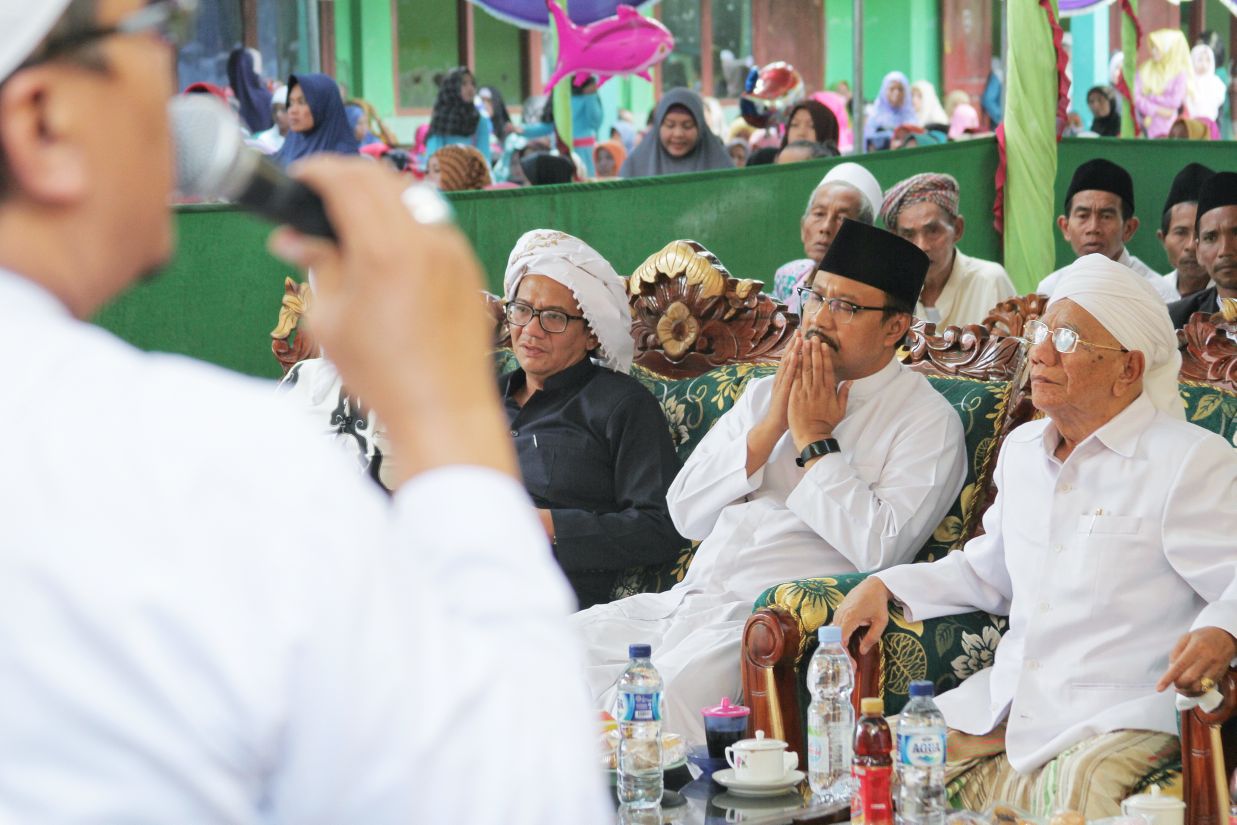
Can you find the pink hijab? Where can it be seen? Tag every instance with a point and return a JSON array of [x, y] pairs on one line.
[[837, 105], [965, 118]]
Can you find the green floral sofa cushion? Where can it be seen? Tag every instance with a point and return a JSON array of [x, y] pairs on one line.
[[1209, 406]]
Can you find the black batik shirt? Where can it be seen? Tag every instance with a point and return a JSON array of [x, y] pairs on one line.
[[594, 449]]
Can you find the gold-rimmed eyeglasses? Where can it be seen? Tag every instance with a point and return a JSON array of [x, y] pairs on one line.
[[1064, 339]]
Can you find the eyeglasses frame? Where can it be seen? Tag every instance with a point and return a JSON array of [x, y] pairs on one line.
[[536, 313], [1050, 334]]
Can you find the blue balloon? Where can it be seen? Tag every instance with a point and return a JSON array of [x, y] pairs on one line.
[[532, 14]]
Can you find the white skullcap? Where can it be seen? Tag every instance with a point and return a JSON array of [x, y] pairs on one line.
[[599, 290], [1129, 308], [861, 179], [279, 97], [25, 24]]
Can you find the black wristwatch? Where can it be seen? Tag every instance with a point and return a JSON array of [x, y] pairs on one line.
[[816, 449]]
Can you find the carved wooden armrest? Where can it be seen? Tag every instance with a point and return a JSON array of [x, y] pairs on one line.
[[867, 670], [289, 342], [1206, 758], [1210, 350], [771, 644], [689, 315]]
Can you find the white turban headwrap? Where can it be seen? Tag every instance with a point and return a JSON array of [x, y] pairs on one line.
[[599, 290], [25, 24], [1129, 308]]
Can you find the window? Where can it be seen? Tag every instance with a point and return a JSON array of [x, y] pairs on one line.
[[284, 32], [732, 33], [708, 27], [431, 42]]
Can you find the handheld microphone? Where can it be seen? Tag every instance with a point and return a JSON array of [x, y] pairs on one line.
[[213, 163]]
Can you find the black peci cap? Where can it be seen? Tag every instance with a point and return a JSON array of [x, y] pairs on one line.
[[878, 258], [1218, 190], [1104, 176], [1187, 184]]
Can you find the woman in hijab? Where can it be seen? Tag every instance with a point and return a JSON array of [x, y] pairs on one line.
[[927, 106], [458, 168], [625, 132], [592, 443], [455, 118], [1163, 81], [965, 121], [681, 141], [316, 120], [812, 121], [893, 108], [496, 108], [250, 92], [1207, 93], [1185, 128], [1105, 111]]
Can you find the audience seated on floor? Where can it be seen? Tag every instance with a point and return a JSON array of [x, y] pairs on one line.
[[1177, 231], [1099, 217], [1109, 546], [593, 445], [848, 191], [959, 289], [803, 475], [1216, 242]]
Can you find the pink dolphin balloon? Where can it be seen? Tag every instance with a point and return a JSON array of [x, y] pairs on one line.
[[627, 43]]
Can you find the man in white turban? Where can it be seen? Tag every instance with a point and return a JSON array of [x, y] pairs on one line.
[[1109, 547], [594, 449]]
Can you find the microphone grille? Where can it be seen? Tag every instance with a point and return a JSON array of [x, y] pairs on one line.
[[209, 147]]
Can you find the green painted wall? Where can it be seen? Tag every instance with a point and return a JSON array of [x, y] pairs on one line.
[[897, 34], [220, 298]]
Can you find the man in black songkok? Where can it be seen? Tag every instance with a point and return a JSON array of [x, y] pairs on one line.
[[1216, 241]]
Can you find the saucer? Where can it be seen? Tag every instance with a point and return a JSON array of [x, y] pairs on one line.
[[726, 778]]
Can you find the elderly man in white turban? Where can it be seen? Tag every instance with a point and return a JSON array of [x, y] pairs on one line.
[[847, 191], [1110, 547], [594, 449]]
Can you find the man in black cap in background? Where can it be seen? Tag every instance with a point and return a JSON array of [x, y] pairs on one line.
[[1099, 217], [1217, 247], [844, 460], [1177, 231]]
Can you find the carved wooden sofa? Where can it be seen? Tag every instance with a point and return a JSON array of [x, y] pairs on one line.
[[780, 635]]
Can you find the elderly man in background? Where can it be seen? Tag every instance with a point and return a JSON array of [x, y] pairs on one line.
[[847, 192], [1216, 228], [845, 460], [1099, 218], [1109, 546], [1176, 232], [959, 289]]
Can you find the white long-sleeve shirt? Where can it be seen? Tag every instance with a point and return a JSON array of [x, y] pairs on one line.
[[207, 616], [870, 506], [1101, 562]]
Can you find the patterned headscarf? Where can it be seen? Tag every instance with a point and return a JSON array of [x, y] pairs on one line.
[[599, 290], [932, 187], [462, 168], [1135, 314], [453, 115]]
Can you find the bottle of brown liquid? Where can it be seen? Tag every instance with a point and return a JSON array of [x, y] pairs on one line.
[[872, 767]]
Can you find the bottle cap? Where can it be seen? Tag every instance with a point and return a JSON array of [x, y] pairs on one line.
[[639, 651], [922, 687], [829, 634], [872, 706]]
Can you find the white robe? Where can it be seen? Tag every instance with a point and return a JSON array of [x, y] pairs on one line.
[[1101, 562], [873, 505], [974, 287], [1168, 293]]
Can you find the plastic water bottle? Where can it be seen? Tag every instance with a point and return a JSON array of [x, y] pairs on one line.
[[921, 759], [638, 711], [830, 718]]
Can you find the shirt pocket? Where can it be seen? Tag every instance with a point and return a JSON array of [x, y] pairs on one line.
[[565, 470], [1118, 561]]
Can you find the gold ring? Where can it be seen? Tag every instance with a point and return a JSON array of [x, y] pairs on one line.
[[1206, 684]]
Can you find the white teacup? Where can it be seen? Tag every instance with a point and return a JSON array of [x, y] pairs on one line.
[[760, 760], [1155, 808]]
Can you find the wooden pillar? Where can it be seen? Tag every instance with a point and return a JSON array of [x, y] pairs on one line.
[[1198, 18], [467, 43], [326, 38], [794, 31], [249, 23], [706, 47]]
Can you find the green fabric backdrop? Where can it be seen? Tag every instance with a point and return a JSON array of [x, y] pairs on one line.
[[219, 299]]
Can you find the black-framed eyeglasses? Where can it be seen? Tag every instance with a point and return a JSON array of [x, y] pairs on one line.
[[171, 20], [844, 311], [1064, 339], [552, 320]]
